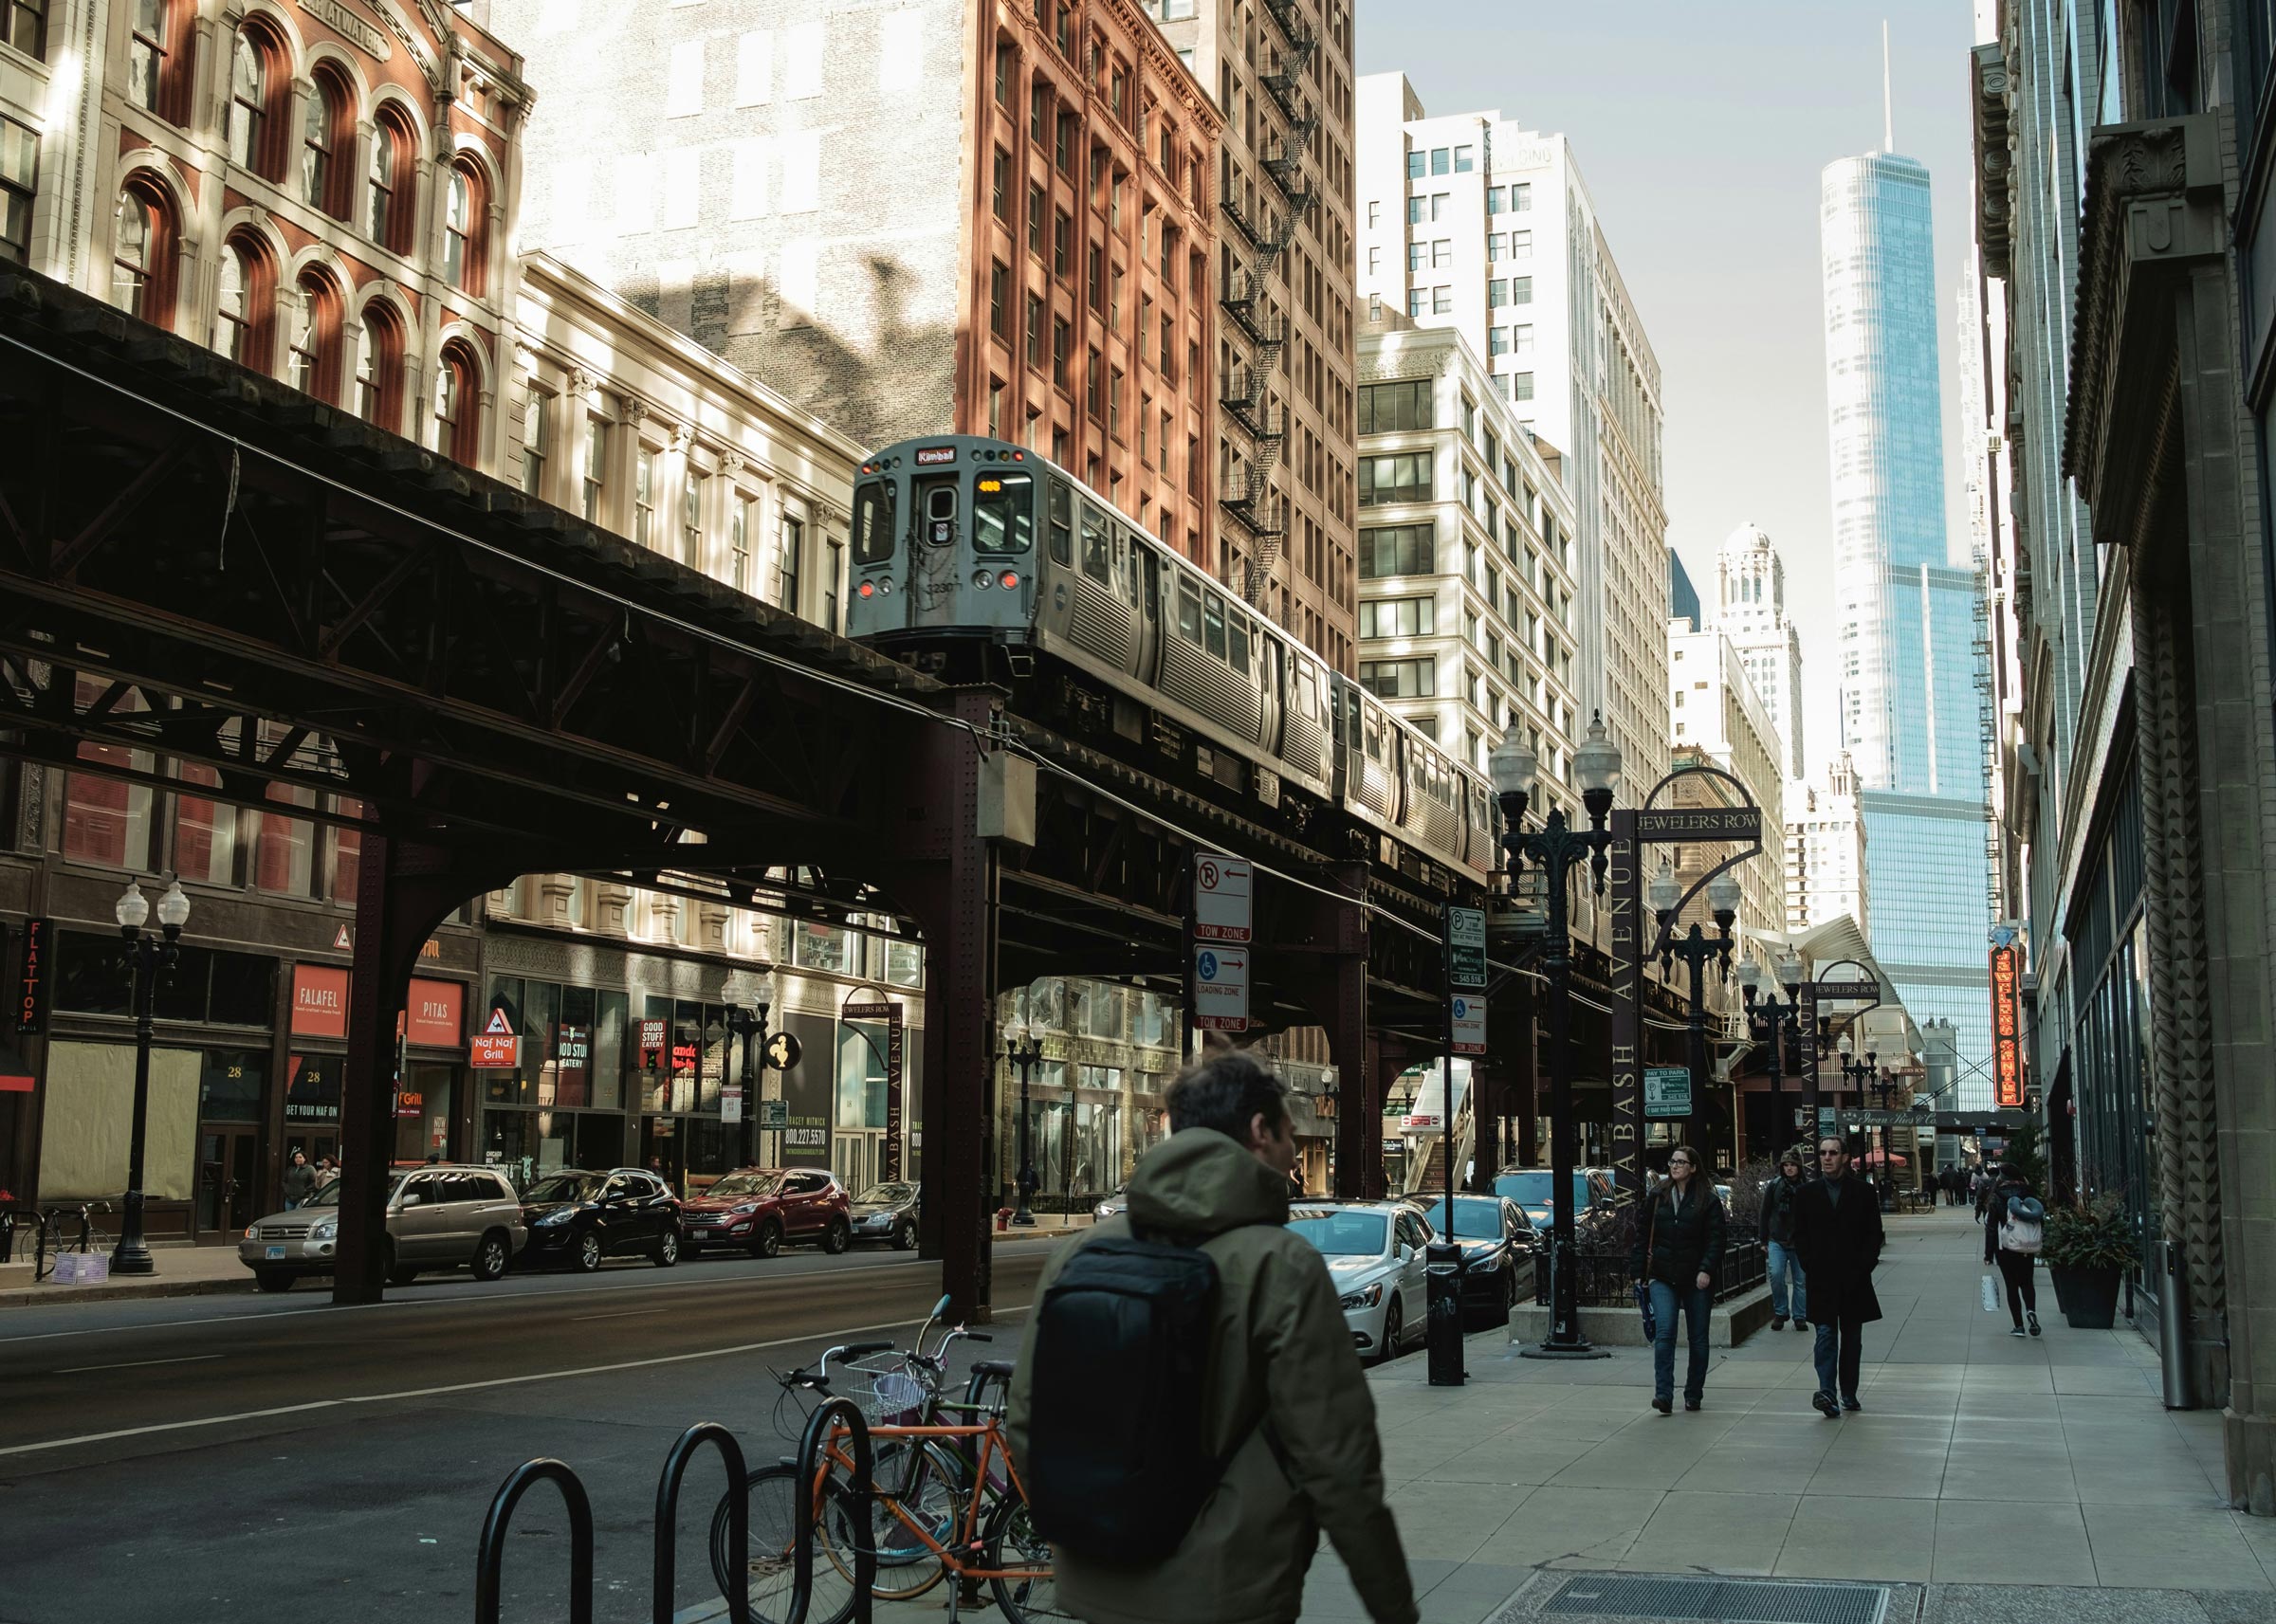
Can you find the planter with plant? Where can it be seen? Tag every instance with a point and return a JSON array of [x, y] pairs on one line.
[[2088, 1250]]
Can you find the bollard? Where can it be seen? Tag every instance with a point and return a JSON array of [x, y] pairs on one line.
[[1446, 1314], [489, 1553], [2173, 1328], [668, 1519]]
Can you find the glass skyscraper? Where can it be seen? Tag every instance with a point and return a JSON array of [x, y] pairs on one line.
[[1911, 715]]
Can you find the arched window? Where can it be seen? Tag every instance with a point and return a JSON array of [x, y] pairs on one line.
[[316, 336], [142, 255], [457, 427], [387, 183], [379, 368], [150, 58], [458, 228], [248, 100], [245, 301], [323, 133], [229, 311]]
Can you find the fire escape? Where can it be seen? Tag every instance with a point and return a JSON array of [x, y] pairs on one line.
[[1247, 390]]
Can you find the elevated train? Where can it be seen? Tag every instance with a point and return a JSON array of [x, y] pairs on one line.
[[983, 560]]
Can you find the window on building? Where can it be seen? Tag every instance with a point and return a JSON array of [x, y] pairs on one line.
[[1418, 300], [1386, 407], [142, 238], [1417, 165], [1036, 218], [457, 405], [1399, 679], [321, 136], [1521, 198], [1039, 111], [19, 184], [1442, 301], [1062, 243], [252, 65], [1415, 206], [999, 291], [596, 465], [1463, 164], [387, 181], [794, 559], [316, 324], [458, 229], [999, 185], [1521, 386], [232, 309], [739, 541], [834, 568], [1439, 160], [1521, 245], [1521, 341], [1498, 341], [1059, 336], [1521, 290], [536, 440], [1397, 617], [1034, 332], [149, 53], [644, 496], [24, 25], [284, 858], [379, 368], [691, 519], [1391, 549]]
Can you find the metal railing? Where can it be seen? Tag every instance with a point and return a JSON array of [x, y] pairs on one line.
[[1605, 1279]]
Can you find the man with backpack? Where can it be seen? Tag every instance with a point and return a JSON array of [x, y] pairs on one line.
[[2014, 1234], [1189, 1414]]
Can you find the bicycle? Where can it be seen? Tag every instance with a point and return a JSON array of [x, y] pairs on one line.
[[945, 1497], [48, 1244]]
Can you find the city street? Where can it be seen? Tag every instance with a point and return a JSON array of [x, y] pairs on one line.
[[255, 1459]]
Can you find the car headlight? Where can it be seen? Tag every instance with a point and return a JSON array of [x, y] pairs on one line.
[[559, 1217], [323, 1228], [249, 1231], [1365, 1297], [748, 1207]]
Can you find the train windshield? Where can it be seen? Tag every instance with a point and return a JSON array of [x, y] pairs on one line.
[[874, 522], [1003, 513]]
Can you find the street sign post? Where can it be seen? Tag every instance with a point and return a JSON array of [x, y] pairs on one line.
[[1221, 988], [1666, 1091], [1466, 948], [730, 1103], [496, 1045], [774, 1115], [1221, 909], [1467, 1022]]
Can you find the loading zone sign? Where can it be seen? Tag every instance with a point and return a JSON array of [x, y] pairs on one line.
[[1221, 988], [1467, 1023]]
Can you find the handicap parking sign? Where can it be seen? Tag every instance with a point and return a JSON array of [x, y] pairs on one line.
[[1205, 966]]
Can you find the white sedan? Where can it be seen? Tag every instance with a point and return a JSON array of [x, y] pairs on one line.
[[1374, 1253]]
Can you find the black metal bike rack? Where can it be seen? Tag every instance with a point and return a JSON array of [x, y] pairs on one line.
[[833, 1413], [490, 1556], [739, 1518]]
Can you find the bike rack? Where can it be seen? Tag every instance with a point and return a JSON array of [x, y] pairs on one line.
[[739, 1517], [833, 1412], [489, 1555]]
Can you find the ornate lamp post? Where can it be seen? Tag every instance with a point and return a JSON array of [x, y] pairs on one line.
[[1771, 1022], [1557, 850], [750, 1024], [145, 955], [1024, 1050], [1665, 896]]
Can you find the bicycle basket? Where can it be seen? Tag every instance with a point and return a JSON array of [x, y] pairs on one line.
[[897, 1395]]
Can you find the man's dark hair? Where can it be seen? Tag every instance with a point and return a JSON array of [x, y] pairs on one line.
[[1224, 1091]]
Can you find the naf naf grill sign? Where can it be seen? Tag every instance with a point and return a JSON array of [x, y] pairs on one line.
[[2007, 1027]]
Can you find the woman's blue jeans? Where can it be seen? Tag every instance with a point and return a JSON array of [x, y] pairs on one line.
[[1696, 1306]]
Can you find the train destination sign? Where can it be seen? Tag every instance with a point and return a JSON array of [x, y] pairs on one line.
[[1701, 823]]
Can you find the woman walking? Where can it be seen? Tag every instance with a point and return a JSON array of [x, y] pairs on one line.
[[1679, 1248], [2014, 1226]]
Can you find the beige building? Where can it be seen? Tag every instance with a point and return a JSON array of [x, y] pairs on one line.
[[1717, 717], [1282, 78], [1824, 850]]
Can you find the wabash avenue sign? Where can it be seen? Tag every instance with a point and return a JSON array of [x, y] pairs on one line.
[[2006, 1026]]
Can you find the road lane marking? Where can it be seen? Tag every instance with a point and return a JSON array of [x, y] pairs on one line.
[[627, 1314], [139, 1363], [765, 1277], [313, 1405]]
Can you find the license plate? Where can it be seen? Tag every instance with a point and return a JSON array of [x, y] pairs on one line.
[[276, 1252]]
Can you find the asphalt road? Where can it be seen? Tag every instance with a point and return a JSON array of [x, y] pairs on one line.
[[245, 1460]]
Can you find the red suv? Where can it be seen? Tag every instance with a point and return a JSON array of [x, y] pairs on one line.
[[758, 1208]]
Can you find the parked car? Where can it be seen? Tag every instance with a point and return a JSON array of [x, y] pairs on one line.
[[437, 1217], [888, 1210], [1534, 1191], [580, 1217], [760, 1209], [1374, 1254], [1111, 1206], [1497, 1239]]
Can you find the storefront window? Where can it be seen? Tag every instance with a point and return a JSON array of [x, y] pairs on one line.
[[312, 1094], [861, 1074], [423, 1101], [609, 1021], [229, 1086], [904, 963], [819, 947], [209, 986]]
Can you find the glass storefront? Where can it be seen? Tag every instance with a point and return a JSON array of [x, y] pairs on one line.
[[1095, 1101]]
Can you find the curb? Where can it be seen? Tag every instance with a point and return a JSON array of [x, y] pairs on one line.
[[49, 1296]]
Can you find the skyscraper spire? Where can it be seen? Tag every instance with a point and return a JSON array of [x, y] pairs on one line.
[[1889, 110]]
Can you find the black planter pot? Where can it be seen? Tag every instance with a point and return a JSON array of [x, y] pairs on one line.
[[2088, 1296]]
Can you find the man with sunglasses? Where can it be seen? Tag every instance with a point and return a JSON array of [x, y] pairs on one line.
[[1838, 1237]]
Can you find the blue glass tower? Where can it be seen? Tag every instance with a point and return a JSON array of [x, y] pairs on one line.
[[1911, 715]]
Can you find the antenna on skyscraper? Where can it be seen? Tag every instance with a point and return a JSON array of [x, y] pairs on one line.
[[1888, 112]]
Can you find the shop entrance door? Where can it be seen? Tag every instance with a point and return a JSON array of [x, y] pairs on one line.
[[228, 1196], [854, 1158]]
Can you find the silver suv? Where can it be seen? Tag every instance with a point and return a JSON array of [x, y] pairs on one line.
[[437, 1217]]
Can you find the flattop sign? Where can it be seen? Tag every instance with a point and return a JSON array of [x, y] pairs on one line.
[[1701, 823], [31, 978]]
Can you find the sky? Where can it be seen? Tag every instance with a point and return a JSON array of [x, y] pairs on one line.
[[1701, 131]]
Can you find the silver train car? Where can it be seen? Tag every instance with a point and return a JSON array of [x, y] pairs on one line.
[[984, 561]]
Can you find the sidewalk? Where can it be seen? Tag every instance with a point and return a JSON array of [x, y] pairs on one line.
[[183, 1271], [1978, 1460]]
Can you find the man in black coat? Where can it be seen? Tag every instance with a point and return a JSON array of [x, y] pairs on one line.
[[1838, 1237]]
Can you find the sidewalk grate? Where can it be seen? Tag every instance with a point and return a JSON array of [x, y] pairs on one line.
[[1720, 1601]]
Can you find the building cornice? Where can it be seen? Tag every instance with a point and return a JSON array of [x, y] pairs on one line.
[[1995, 160]]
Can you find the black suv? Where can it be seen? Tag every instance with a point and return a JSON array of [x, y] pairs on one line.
[[578, 1218]]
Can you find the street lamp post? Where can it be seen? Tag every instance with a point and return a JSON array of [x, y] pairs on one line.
[[1557, 848], [1859, 1074], [750, 1023], [145, 955], [1771, 1021], [1024, 1050], [1698, 950]]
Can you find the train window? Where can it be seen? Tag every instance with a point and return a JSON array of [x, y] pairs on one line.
[[1003, 513], [1129, 575], [1237, 643], [1097, 563], [940, 514], [1371, 721], [1213, 623], [1062, 522], [874, 522], [1189, 612]]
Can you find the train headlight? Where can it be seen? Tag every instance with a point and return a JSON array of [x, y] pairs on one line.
[[981, 580], [1011, 579], [886, 587]]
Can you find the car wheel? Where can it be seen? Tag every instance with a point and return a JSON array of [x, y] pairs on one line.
[[768, 1241], [667, 1248], [838, 1236], [586, 1258], [1509, 1286], [491, 1256], [273, 1279], [905, 1236], [1392, 1330]]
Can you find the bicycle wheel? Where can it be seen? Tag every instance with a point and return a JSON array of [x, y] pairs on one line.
[[1012, 1542], [921, 1480], [769, 1556]]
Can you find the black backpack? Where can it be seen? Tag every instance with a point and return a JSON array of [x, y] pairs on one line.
[[1116, 1469]]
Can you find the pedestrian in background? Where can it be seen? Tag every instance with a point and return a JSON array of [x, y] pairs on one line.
[[1788, 1294], [1838, 1234], [300, 1180], [1679, 1248], [2012, 1235]]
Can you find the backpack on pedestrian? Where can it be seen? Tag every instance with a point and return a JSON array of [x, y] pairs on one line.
[[2023, 1230], [1117, 1471]]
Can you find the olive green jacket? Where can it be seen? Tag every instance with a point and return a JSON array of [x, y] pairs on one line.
[[1284, 1359]]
